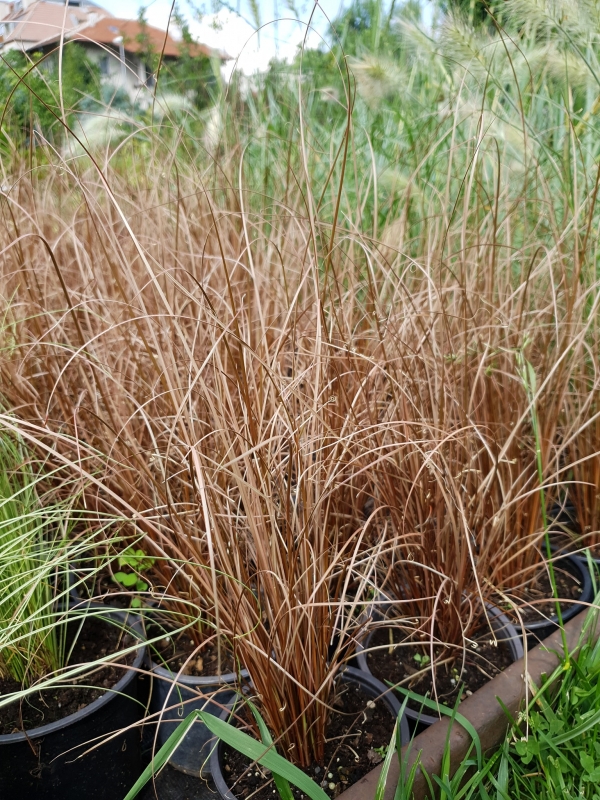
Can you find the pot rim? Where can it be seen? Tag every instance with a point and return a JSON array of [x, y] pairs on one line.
[[587, 594], [500, 622], [200, 680], [134, 627]]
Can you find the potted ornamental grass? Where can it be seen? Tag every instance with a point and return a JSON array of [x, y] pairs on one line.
[[70, 695], [436, 633], [291, 538], [458, 490], [288, 548], [186, 393], [577, 512], [544, 586]]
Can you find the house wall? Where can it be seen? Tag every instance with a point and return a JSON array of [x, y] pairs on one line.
[[132, 78]]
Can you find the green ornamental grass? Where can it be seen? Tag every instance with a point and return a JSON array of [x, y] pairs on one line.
[[33, 567]]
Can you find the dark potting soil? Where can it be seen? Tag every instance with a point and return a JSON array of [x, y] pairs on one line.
[[539, 590], [179, 653], [170, 784], [101, 588], [396, 663], [357, 733], [96, 639]]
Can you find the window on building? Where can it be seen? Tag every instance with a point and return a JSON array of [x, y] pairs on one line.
[[150, 77], [104, 66]]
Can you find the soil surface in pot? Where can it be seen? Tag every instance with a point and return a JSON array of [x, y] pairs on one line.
[[96, 639], [170, 784], [179, 653], [540, 589], [357, 734], [102, 588], [409, 665]]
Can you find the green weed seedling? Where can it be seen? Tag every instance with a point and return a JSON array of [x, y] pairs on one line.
[[133, 563]]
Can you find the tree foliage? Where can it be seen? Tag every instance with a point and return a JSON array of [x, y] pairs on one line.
[[30, 93], [192, 75]]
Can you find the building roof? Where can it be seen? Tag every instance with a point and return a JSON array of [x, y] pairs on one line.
[[106, 30], [45, 21]]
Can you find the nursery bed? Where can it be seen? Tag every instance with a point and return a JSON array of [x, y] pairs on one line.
[[482, 709]]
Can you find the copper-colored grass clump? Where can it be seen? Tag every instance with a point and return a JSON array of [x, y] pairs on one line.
[[294, 414]]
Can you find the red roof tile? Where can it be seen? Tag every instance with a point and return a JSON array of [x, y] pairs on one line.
[[106, 30]]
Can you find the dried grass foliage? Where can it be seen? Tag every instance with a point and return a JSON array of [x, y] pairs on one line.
[[295, 415]]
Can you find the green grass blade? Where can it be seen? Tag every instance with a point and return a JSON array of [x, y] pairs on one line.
[[267, 758], [380, 788], [406, 782], [502, 786], [283, 786], [449, 712], [579, 730], [163, 755], [404, 789]]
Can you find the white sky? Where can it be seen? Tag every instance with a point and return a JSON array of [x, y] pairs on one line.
[[226, 31]]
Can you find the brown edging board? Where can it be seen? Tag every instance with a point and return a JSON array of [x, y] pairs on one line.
[[482, 709]]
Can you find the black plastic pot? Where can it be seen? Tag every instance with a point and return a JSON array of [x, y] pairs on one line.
[[581, 557], [503, 628], [563, 520], [367, 682], [175, 696], [538, 631], [565, 517], [43, 763]]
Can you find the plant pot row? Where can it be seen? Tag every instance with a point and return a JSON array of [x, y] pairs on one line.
[[411, 719], [506, 633], [64, 758], [189, 693]]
